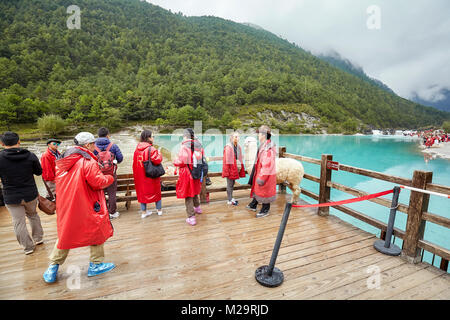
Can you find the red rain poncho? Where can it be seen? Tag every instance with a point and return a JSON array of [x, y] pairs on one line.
[[148, 190], [81, 211]]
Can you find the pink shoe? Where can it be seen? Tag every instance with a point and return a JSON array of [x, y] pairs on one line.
[[198, 210], [192, 221]]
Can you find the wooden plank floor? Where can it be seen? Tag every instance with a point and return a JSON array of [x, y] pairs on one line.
[[164, 258]]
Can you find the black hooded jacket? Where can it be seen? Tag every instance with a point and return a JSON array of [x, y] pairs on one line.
[[17, 169]]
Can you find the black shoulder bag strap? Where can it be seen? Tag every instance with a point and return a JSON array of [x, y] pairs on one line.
[[192, 160], [250, 180]]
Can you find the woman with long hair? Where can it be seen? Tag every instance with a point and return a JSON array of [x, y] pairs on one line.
[[188, 188], [148, 190]]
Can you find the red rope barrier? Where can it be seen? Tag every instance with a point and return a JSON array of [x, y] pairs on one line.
[[337, 203]]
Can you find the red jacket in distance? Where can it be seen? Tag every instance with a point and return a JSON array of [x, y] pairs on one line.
[[265, 173], [229, 164], [186, 185], [82, 215], [148, 190], [48, 165]]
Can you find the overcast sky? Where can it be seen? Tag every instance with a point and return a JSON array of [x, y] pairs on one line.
[[410, 52]]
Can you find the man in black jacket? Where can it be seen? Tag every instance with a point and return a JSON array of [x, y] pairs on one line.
[[2, 203], [17, 169]]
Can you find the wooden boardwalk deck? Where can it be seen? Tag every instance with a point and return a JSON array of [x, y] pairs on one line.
[[164, 258]]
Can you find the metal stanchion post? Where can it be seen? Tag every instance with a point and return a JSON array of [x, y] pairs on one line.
[[386, 246], [269, 276]]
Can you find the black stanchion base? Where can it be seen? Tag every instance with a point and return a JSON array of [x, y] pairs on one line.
[[393, 250], [276, 279]]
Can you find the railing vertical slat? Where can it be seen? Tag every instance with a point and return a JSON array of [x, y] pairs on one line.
[[128, 193], [203, 191], [444, 264]]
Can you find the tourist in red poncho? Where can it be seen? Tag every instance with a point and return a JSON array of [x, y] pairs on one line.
[[81, 213], [264, 178], [49, 167], [187, 187], [430, 141], [148, 190], [232, 166]]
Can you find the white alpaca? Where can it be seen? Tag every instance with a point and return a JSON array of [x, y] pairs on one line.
[[289, 171], [170, 170]]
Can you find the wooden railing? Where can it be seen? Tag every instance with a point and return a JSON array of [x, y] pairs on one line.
[[125, 184], [417, 210]]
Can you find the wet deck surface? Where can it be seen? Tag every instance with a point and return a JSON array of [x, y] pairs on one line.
[[161, 257]]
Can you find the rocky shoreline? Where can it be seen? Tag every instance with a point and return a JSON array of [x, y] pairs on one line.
[[441, 150]]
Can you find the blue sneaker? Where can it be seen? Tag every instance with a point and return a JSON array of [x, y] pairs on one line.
[[99, 268], [50, 274]]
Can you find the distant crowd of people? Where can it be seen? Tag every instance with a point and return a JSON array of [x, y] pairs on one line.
[[430, 137], [78, 179]]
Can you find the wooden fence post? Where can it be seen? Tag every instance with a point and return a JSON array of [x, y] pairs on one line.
[[324, 190], [415, 225], [281, 187]]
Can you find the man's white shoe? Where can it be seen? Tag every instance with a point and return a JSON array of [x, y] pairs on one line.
[[114, 215], [159, 212], [146, 214]]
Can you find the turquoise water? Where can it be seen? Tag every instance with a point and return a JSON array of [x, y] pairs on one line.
[[398, 156]]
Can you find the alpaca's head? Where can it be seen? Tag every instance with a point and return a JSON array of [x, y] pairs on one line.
[[170, 170], [250, 148]]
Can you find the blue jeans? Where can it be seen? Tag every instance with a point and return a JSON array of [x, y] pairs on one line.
[[158, 206]]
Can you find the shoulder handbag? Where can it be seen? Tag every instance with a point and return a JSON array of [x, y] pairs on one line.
[[45, 205], [152, 171]]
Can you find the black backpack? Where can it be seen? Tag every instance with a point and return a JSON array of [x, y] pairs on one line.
[[199, 169]]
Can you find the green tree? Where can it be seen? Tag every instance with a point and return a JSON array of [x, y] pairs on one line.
[[200, 114], [236, 124], [350, 126], [226, 119], [111, 118], [182, 116], [8, 72], [161, 122], [446, 126], [51, 124], [8, 110]]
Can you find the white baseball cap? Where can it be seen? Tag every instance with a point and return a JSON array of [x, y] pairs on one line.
[[84, 138]]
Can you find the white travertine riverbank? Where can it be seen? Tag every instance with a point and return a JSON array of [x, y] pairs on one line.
[[441, 150]]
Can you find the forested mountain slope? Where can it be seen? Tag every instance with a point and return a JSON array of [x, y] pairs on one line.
[[135, 61]]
